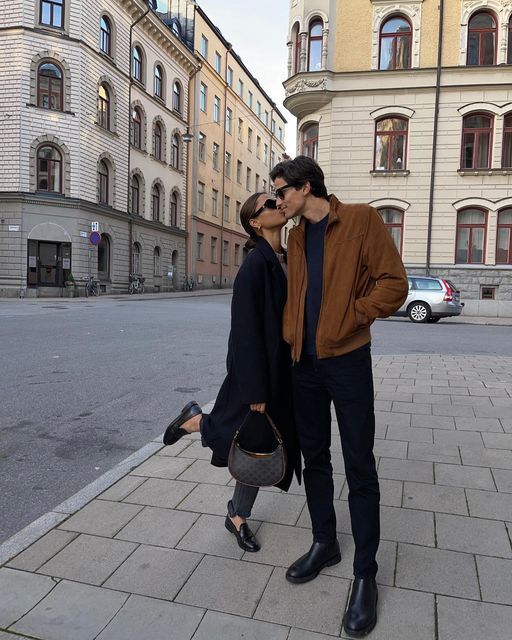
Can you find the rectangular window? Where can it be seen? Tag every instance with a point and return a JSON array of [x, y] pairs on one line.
[[280, 134], [258, 109], [216, 156], [229, 77], [265, 153], [237, 211], [248, 180], [216, 109], [272, 159], [237, 255], [273, 126], [204, 46], [229, 120], [199, 246], [213, 250], [264, 185], [215, 199], [239, 171], [249, 139], [203, 97], [265, 120], [240, 129], [487, 293], [218, 62], [225, 252], [52, 13], [202, 147], [249, 99], [227, 166], [200, 195], [227, 203], [241, 88], [258, 147], [257, 182]]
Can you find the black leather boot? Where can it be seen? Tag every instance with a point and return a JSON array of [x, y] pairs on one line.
[[361, 615], [310, 564]]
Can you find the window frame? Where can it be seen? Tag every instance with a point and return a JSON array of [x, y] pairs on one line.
[[311, 143], [104, 107], [481, 31], [393, 134], [175, 152], [173, 221], [507, 225], [104, 183], [471, 226], [106, 35], [52, 161], [135, 194], [477, 131], [158, 82], [51, 81], [507, 131], [157, 141], [51, 4], [138, 65], [157, 262], [156, 202], [312, 39], [395, 37], [394, 225], [136, 137], [177, 95]]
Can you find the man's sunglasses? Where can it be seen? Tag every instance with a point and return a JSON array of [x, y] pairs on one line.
[[280, 192], [268, 204]]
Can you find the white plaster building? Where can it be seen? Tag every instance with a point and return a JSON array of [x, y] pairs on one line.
[[93, 104]]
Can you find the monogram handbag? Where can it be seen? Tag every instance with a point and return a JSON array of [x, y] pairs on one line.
[[254, 468]]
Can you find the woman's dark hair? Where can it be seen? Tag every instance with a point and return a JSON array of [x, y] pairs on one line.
[[248, 208], [299, 171]]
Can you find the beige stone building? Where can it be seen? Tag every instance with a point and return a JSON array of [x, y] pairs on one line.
[[238, 135], [418, 124], [93, 106]]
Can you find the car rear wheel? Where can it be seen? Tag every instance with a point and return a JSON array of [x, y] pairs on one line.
[[419, 312]]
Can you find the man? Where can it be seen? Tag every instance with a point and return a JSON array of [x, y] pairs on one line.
[[343, 272]]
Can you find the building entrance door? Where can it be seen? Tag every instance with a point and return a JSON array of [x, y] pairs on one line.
[[49, 263]]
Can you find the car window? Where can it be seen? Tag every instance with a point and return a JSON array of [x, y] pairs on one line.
[[411, 283], [451, 285], [425, 283]]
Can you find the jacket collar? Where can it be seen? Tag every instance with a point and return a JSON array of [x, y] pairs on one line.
[[266, 250], [334, 216]]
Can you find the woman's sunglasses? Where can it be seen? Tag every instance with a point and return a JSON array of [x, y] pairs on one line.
[[268, 204]]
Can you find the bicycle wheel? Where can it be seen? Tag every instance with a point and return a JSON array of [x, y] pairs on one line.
[[131, 288], [141, 288], [96, 290]]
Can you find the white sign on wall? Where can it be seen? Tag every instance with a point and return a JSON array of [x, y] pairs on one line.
[[95, 226], [14, 227]]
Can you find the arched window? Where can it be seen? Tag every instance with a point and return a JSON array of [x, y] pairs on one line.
[[394, 223], [504, 238], [476, 141], [506, 157], [106, 35], [157, 140], [482, 40], [103, 179], [135, 194], [316, 29], [176, 96], [136, 258], [137, 64], [296, 48], [49, 169], [309, 141], [155, 202], [136, 128], [471, 228], [391, 144], [175, 151], [395, 44], [157, 269], [174, 209], [104, 257], [49, 86], [159, 82], [103, 107]]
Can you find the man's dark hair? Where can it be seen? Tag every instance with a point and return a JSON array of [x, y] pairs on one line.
[[299, 171]]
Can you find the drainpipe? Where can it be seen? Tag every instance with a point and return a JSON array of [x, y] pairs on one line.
[[128, 207], [434, 136], [189, 184]]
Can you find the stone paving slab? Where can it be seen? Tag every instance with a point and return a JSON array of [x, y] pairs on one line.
[[159, 564]]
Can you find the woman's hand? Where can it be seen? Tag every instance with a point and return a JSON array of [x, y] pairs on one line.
[[260, 407]]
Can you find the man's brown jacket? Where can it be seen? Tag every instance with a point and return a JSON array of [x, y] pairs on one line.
[[363, 279]]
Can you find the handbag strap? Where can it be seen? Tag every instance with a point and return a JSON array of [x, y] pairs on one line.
[[277, 435]]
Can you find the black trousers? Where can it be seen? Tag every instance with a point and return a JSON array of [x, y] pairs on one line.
[[347, 381]]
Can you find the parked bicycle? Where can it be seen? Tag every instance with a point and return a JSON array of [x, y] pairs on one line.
[[91, 287], [136, 283], [188, 284]]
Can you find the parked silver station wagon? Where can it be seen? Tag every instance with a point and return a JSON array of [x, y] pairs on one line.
[[430, 299]]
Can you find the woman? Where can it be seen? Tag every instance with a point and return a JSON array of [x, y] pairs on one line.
[[258, 362]]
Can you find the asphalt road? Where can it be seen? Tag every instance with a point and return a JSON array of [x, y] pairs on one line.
[[84, 383]]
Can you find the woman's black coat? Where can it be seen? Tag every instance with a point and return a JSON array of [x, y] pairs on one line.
[[258, 362]]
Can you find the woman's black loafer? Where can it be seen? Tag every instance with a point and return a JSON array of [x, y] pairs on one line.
[[245, 537], [174, 431]]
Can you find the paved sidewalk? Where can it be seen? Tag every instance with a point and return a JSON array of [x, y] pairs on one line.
[[149, 558]]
